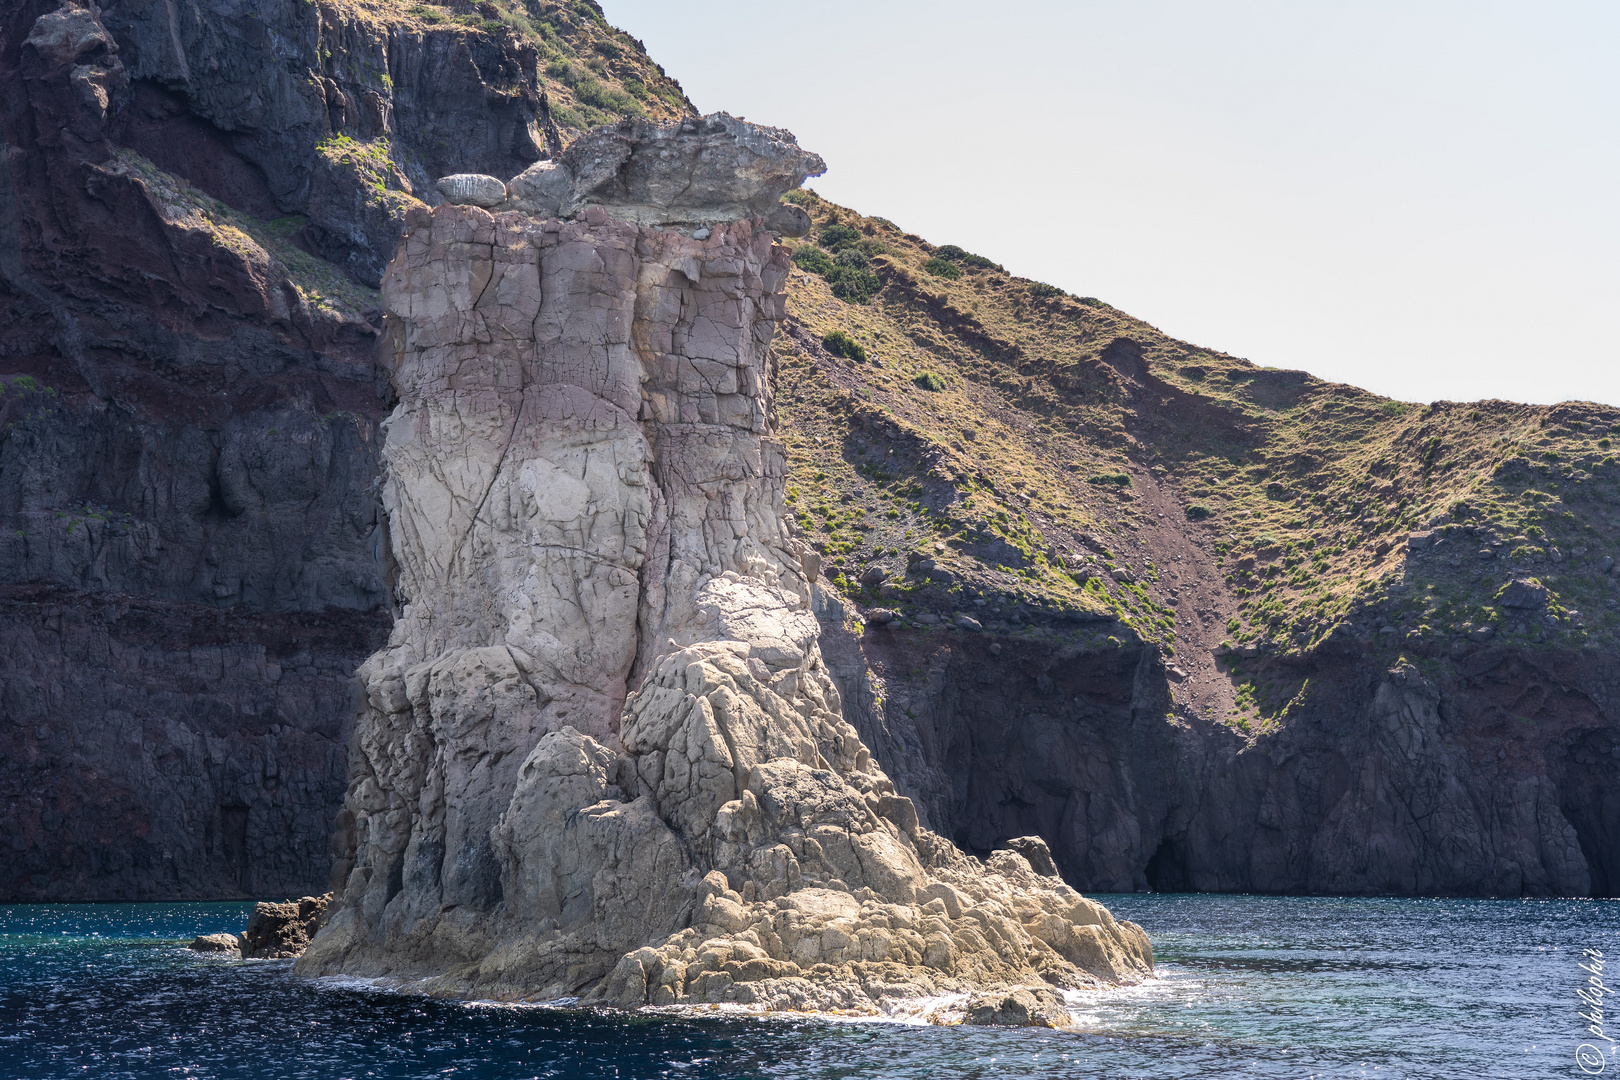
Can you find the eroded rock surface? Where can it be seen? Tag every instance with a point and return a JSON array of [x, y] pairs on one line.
[[280, 931], [600, 757], [702, 170]]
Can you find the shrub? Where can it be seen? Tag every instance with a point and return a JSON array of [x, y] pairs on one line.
[[811, 258], [853, 284], [1197, 512], [1122, 479], [836, 237], [852, 256], [1042, 291], [841, 344], [966, 258], [929, 381], [942, 269], [590, 92], [1393, 408]]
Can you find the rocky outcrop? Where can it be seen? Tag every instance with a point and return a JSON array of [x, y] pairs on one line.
[[282, 931], [600, 756], [275, 931], [701, 171]]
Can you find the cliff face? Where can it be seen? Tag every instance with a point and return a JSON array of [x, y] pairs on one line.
[[1418, 779], [196, 203], [600, 755]]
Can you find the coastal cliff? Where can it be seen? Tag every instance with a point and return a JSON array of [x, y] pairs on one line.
[[196, 204], [601, 756], [1198, 624]]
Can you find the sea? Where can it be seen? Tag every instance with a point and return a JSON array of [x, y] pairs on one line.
[[1247, 986]]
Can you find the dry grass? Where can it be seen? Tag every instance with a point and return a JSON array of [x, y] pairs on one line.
[[1054, 412]]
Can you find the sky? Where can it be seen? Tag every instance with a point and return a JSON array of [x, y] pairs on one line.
[[1420, 198]]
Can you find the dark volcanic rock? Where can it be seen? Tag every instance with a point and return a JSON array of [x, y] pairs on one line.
[[1492, 779], [192, 563], [1526, 594]]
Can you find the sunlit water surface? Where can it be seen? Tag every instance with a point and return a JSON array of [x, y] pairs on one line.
[[1249, 986]]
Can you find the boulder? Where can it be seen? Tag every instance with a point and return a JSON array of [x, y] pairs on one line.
[[216, 943], [281, 931], [1036, 853], [1523, 594], [1023, 1007], [472, 189]]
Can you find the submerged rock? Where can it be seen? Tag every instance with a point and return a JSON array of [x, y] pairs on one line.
[[216, 943], [601, 756]]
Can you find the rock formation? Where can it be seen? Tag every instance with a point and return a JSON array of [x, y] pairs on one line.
[[600, 755], [275, 931]]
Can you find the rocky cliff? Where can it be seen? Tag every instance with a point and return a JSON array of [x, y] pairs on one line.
[[1197, 623], [601, 755], [196, 202], [1202, 625]]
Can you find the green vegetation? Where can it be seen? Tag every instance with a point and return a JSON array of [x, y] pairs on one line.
[[1047, 412], [942, 268], [595, 74], [847, 269], [841, 344]]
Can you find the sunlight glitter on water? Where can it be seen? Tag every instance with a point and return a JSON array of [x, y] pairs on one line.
[[1248, 986]]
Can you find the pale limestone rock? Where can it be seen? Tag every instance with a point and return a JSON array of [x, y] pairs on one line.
[[600, 756], [701, 170], [472, 189]]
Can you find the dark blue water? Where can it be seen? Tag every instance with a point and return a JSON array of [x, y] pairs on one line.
[[1250, 987]]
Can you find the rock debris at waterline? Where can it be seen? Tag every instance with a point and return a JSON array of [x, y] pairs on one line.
[[600, 755]]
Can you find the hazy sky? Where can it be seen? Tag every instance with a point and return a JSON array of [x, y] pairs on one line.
[[1421, 198]]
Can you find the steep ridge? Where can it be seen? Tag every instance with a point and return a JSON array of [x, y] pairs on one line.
[[600, 755]]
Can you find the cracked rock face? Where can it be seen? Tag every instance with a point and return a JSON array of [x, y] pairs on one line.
[[600, 757]]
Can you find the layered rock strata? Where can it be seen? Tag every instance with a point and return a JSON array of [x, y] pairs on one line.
[[601, 756]]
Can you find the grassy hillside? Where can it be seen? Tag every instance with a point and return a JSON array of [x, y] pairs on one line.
[[1030, 458]]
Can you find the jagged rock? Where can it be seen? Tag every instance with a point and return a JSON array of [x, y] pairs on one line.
[[1036, 853], [281, 931], [216, 943], [703, 170], [600, 755], [1525, 594]]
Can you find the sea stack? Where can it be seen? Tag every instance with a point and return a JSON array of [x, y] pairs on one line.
[[600, 757]]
